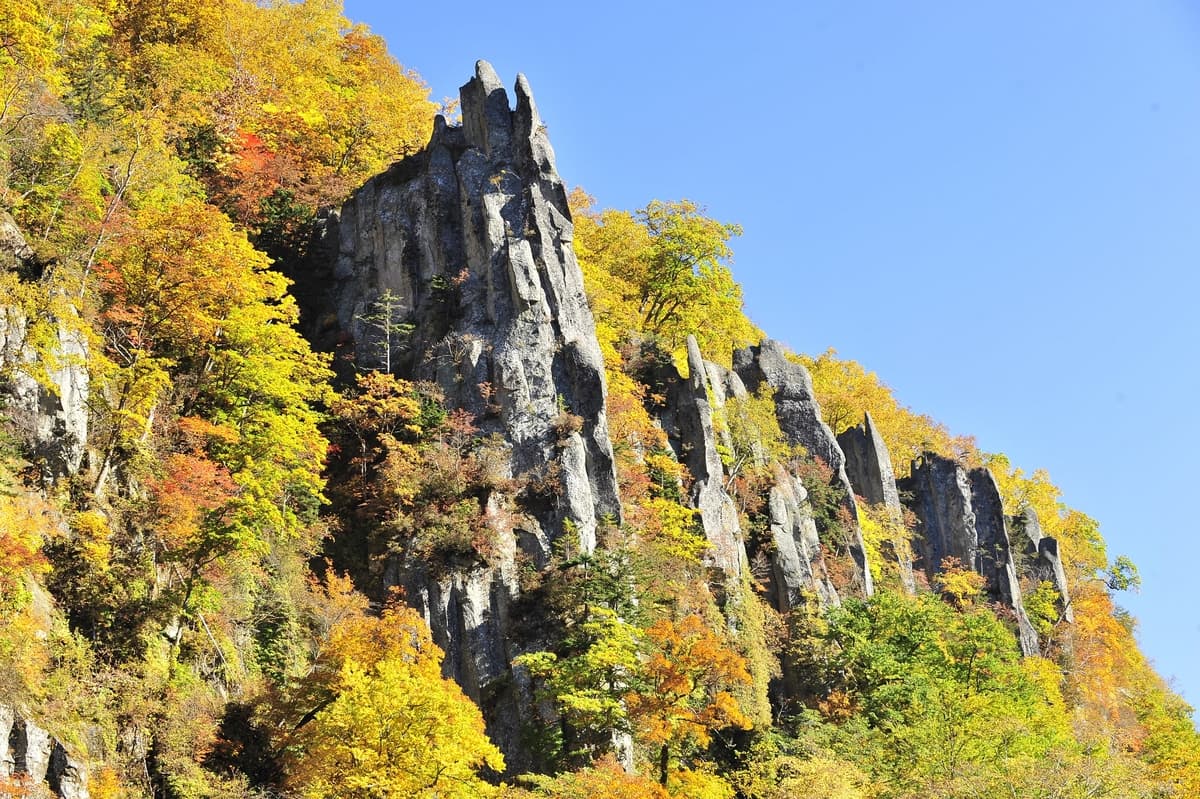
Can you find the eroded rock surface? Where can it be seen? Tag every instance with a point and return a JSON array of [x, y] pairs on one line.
[[869, 468], [799, 418], [1040, 561], [960, 515], [51, 413], [698, 451], [469, 242]]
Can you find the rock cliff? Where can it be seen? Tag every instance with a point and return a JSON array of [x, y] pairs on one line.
[[465, 250], [46, 392], [960, 516], [28, 750], [800, 420], [468, 246], [1039, 560], [869, 469]]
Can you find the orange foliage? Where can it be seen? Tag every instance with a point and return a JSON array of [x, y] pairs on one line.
[[191, 488], [23, 521], [688, 676]]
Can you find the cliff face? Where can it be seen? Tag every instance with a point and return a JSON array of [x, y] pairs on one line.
[[27, 750], [869, 469], [47, 391], [799, 418], [469, 243], [466, 247], [961, 516]]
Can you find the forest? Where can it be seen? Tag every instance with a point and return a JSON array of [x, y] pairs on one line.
[[257, 542]]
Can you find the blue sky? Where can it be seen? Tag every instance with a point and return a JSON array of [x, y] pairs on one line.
[[994, 205]]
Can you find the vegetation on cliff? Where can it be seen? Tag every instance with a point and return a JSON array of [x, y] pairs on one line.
[[177, 610]]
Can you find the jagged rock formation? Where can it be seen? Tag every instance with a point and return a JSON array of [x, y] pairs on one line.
[[797, 565], [469, 242], [792, 549], [27, 749], [799, 418], [51, 413], [694, 439], [869, 468], [961, 516], [1039, 560]]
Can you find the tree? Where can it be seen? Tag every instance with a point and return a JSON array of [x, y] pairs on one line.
[[388, 723], [684, 692], [588, 683]]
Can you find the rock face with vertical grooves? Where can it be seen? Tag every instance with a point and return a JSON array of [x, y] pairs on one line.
[[698, 451], [51, 413], [1039, 561], [797, 565], [799, 418], [27, 749], [469, 242], [791, 549], [869, 468], [961, 516]]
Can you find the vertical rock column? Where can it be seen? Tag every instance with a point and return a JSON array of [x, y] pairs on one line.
[[799, 418], [471, 241], [869, 469], [1040, 561], [52, 415], [718, 514], [961, 516]]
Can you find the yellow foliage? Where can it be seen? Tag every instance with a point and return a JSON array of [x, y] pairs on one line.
[[396, 726], [887, 541], [689, 784], [846, 391], [960, 584]]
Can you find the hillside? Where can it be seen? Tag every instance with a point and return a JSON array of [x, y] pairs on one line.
[[349, 454]]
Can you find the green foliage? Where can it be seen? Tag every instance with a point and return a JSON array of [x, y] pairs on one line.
[[940, 691]]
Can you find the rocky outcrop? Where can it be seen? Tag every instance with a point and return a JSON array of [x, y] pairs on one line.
[[1038, 559], [797, 565], [869, 469], [697, 449], [799, 418], [45, 392], [960, 515], [789, 547], [27, 749], [466, 246]]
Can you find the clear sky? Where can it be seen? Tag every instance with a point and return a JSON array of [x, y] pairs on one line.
[[995, 205]]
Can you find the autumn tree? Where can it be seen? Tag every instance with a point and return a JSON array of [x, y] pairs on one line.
[[389, 723], [684, 692]]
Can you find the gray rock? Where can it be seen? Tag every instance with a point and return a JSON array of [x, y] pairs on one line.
[[1039, 559], [799, 418], [869, 468], [472, 239], [26, 748], [961, 516], [51, 413], [7, 763], [14, 250], [31, 747], [67, 776], [718, 513], [797, 565]]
